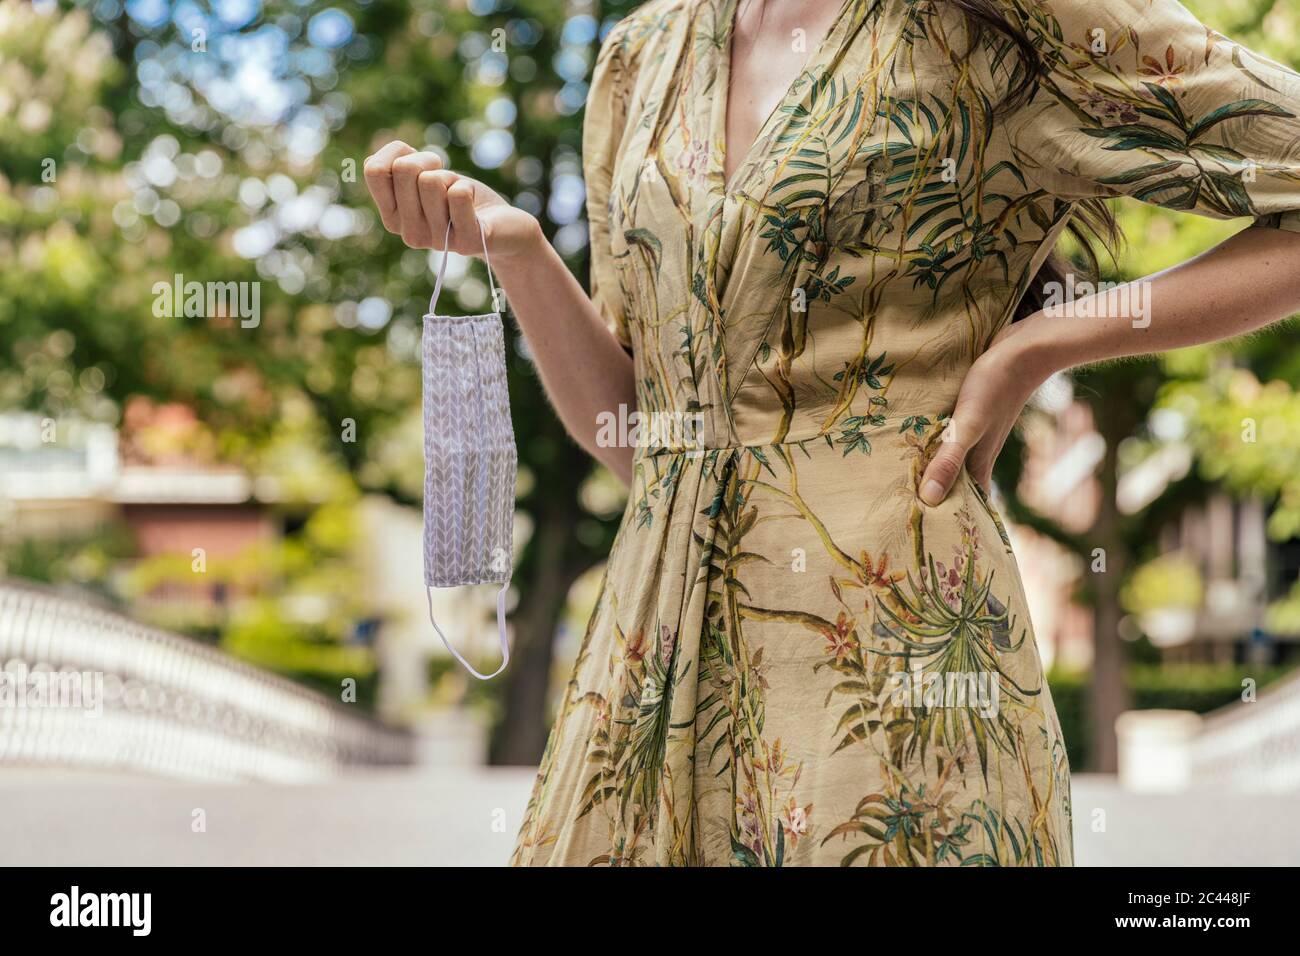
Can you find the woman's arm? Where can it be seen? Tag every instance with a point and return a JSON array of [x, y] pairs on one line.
[[584, 369], [1243, 284], [1137, 98]]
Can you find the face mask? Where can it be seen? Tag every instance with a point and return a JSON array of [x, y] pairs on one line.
[[469, 456]]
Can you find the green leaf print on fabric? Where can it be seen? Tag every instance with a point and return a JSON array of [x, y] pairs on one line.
[[774, 671]]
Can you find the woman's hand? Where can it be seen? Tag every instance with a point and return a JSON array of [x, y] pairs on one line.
[[1242, 284], [417, 197], [992, 396]]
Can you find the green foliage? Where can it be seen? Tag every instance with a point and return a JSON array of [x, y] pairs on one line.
[[1247, 437], [86, 561], [312, 398], [264, 635], [1165, 582], [291, 604], [1283, 615]]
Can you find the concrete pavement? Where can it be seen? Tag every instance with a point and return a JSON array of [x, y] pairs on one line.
[[466, 816]]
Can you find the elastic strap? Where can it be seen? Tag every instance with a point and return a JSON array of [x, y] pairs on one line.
[[442, 269], [501, 632]]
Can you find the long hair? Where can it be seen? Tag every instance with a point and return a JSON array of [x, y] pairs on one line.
[[1093, 224]]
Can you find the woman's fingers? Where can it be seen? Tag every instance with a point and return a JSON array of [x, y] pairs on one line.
[[433, 186], [417, 232], [958, 439], [378, 170], [464, 220], [941, 473], [418, 199]]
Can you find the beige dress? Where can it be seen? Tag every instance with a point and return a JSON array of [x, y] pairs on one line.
[[793, 661]]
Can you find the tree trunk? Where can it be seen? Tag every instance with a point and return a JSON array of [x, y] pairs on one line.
[[555, 562]]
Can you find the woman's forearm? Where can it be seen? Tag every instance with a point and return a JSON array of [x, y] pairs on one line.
[[584, 369], [1245, 283]]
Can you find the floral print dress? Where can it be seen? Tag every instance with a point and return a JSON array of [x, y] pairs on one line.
[[793, 661]]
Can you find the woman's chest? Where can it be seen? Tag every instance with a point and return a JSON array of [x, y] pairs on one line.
[[880, 162], [770, 46]]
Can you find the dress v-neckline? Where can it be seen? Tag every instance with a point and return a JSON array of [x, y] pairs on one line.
[[729, 182]]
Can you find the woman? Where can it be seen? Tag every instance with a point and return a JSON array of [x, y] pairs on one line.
[[812, 645]]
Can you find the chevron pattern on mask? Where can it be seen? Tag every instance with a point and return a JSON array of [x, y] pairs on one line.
[[470, 458]]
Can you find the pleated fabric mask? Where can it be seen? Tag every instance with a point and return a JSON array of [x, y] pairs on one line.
[[469, 456]]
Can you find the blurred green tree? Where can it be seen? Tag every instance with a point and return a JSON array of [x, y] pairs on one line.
[[223, 142]]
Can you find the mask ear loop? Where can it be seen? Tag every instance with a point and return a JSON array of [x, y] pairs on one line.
[[442, 270], [501, 634], [428, 591]]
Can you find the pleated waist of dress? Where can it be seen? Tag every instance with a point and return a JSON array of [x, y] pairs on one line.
[[848, 434]]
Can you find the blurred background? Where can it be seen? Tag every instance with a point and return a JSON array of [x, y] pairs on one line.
[[219, 513]]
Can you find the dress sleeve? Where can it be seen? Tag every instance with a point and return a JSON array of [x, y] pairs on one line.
[[1137, 98], [602, 130]]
